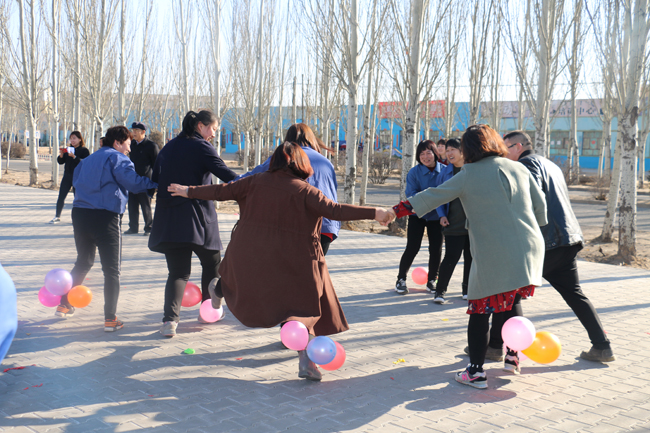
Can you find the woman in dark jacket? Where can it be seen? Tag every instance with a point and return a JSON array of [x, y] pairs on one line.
[[182, 226], [275, 270], [70, 156]]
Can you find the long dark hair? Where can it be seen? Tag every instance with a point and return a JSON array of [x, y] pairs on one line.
[[77, 134], [192, 119], [291, 155], [303, 135], [480, 141]]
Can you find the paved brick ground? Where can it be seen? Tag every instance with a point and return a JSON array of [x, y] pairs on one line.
[[241, 380]]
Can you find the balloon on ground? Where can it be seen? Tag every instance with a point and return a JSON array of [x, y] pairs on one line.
[[80, 296], [294, 335], [545, 349], [321, 350], [518, 333], [420, 276], [338, 361], [48, 299], [58, 281], [192, 295], [208, 313]]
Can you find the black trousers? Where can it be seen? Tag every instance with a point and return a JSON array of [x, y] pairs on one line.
[[179, 265], [561, 271], [414, 234], [325, 242], [454, 247], [479, 326], [64, 189], [137, 201], [98, 229]]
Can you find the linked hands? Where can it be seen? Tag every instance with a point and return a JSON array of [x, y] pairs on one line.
[[383, 216], [178, 190]]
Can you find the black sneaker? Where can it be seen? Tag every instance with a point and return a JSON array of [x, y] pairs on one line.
[[511, 363], [131, 232], [400, 287], [476, 380], [431, 286], [440, 298]]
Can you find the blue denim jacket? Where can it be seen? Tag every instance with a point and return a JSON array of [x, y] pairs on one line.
[[104, 179], [420, 178]]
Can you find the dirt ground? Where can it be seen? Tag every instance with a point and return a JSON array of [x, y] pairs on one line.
[[594, 251]]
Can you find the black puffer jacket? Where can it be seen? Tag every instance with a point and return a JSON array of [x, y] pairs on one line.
[[71, 163], [144, 156], [562, 228]]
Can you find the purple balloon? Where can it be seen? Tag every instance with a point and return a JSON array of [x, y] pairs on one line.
[[48, 299], [321, 350], [58, 281]]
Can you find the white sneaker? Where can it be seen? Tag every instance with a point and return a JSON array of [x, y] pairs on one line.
[[464, 297], [55, 220]]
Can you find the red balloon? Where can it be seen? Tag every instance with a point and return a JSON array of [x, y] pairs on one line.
[[192, 295], [420, 276], [338, 360]]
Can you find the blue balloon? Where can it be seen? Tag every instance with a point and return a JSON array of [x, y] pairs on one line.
[[321, 350]]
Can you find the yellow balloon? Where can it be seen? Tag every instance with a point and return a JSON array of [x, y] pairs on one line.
[[545, 349], [80, 296]]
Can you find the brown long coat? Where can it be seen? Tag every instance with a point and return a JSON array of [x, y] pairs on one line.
[[274, 269]]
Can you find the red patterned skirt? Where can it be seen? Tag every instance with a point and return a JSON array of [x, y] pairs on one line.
[[498, 303]]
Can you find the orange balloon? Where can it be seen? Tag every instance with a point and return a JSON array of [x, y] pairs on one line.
[[545, 349], [80, 296]]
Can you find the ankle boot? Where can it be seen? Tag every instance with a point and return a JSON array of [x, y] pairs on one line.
[[306, 368]]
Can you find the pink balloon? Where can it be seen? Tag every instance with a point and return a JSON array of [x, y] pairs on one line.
[[58, 281], [420, 276], [208, 313], [294, 335], [338, 360], [518, 333], [48, 299], [192, 295]]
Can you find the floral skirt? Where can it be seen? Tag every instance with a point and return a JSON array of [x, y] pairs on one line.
[[498, 303]]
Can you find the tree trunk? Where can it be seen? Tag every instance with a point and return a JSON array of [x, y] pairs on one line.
[[614, 186], [628, 129]]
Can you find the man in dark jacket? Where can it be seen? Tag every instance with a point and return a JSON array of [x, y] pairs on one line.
[[563, 239], [143, 155]]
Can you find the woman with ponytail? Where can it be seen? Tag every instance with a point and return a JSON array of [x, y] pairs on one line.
[[275, 269], [182, 227]]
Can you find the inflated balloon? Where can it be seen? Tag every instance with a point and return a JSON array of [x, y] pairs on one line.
[[48, 299], [321, 350], [80, 296], [545, 349], [192, 295], [208, 313], [518, 333], [294, 335], [58, 281], [420, 276], [338, 360]]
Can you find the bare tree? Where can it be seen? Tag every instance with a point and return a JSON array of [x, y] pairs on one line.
[[548, 30], [183, 13], [479, 61]]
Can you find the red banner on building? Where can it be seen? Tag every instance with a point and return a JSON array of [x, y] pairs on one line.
[[394, 110]]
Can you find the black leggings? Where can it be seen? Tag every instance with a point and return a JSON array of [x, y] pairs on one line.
[[479, 327], [454, 247], [414, 235], [179, 264], [64, 189]]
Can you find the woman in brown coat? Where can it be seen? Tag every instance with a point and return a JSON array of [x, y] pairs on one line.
[[274, 269]]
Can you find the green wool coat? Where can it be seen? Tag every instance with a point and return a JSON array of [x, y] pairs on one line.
[[504, 208]]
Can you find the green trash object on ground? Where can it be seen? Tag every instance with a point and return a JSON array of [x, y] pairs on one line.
[[189, 351]]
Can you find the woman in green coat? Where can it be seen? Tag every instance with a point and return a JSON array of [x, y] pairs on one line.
[[504, 208]]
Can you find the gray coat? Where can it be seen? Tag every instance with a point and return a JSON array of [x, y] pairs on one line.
[[504, 208]]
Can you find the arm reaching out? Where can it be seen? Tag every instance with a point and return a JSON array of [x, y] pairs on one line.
[[178, 190]]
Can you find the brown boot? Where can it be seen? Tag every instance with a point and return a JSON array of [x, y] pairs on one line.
[[306, 368]]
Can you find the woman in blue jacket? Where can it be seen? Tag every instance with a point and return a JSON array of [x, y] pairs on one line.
[[324, 177], [181, 226], [426, 174], [102, 183]]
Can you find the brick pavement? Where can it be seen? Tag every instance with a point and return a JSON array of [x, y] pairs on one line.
[[240, 379]]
